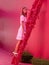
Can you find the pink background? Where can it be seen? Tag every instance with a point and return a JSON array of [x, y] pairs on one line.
[[38, 43]]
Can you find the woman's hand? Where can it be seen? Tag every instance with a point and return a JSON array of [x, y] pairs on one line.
[[24, 33]]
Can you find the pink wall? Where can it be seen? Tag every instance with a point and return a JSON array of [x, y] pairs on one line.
[[38, 43]]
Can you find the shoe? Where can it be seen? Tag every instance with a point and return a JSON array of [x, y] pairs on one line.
[[14, 53]]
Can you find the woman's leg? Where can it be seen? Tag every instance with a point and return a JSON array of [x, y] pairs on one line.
[[15, 60], [17, 46]]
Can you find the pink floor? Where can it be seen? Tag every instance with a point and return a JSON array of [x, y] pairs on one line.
[[5, 58]]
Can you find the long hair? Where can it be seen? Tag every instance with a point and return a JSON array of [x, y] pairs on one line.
[[25, 14]]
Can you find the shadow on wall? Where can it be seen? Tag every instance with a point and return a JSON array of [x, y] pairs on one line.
[[9, 14], [8, 28], [1, 44]]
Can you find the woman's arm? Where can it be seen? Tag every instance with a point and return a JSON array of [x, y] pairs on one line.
[[22, 23], [23, 26]]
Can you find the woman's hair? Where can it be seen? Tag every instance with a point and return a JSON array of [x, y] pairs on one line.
[[25, 14]]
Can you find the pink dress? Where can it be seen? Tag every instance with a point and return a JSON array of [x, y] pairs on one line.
[[20, 34]]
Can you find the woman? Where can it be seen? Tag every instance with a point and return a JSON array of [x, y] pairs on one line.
[[21, 30]]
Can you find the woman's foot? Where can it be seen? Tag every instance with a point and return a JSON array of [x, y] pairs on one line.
[[15, 53]]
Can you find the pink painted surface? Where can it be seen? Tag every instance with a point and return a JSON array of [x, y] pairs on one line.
[[9, 23]]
